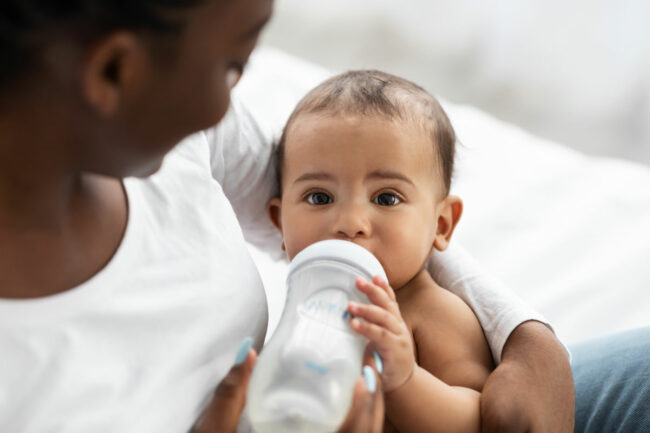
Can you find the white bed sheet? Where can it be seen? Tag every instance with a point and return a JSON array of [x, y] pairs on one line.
[[569, 233]]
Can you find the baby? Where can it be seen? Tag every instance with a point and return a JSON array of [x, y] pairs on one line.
[[367, 157]]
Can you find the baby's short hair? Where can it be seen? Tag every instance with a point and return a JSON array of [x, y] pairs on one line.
[[371, 92]]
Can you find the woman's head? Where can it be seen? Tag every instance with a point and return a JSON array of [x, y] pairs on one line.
[[120, 82], [28, 25]]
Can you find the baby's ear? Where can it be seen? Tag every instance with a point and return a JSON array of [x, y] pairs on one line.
[[449, 212], [274, 209]]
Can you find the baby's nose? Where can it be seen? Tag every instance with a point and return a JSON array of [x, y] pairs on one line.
[[352, 223]]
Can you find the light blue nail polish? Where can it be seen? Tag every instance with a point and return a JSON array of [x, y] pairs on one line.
[[369, 378], [242, 352], [379, 363]]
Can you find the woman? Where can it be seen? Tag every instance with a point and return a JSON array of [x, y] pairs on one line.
[[123, 300]]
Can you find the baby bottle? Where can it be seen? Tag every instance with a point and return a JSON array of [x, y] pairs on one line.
[[304, 377]]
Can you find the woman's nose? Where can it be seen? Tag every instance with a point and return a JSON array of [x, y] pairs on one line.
[[351, 223]]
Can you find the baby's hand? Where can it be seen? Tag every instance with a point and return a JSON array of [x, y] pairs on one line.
[[383, 325]]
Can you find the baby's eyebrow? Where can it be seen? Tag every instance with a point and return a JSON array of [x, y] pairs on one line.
[[314, 176], [387, 174]]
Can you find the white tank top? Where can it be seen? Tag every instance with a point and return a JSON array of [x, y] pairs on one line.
[[141, 345]]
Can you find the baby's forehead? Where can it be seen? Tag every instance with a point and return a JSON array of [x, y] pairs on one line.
[[318, 137], [408, 134], [368, 95]]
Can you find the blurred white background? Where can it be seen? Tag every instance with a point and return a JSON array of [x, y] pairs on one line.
[[576, 72], [569, 231]]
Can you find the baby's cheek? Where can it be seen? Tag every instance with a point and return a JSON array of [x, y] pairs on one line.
[[292, 246], [299, 238], [407, 257]]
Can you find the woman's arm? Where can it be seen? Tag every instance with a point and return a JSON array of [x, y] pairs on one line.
[[242, 160], [532, 387], [498, 309]]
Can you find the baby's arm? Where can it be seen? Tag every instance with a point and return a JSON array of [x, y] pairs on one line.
[[416, 400], [449, 339]]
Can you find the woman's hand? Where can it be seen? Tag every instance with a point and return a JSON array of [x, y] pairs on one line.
[[224, 411], [384, 326], [367, 412]]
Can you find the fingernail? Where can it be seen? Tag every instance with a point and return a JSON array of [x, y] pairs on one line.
[[242, 352], [379, 363], [369, 378]]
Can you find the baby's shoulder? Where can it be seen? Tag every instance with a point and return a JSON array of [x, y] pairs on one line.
[[424, 301], [449, 340]]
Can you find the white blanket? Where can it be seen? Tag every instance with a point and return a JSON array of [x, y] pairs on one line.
[[569, 233]]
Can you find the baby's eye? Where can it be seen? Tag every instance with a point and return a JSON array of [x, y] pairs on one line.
[[386, 199], [319, 198]]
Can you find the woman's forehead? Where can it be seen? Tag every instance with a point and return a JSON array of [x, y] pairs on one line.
[[250, 15]]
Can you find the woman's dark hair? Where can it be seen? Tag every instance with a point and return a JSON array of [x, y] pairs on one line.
[[27, 25]]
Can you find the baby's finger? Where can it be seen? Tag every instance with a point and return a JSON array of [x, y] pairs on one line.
[[376, 315], [379, 281], [382, 338], [377, 295]]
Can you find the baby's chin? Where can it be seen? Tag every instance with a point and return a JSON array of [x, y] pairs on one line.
[[397, 285], [395, 280], [400, 280]]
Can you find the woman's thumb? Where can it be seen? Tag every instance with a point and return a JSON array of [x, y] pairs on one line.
[[224, 411]]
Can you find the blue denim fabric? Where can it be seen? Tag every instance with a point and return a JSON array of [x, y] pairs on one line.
[[612, 378]]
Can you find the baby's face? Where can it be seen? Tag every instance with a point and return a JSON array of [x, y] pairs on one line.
[[363, 179]]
